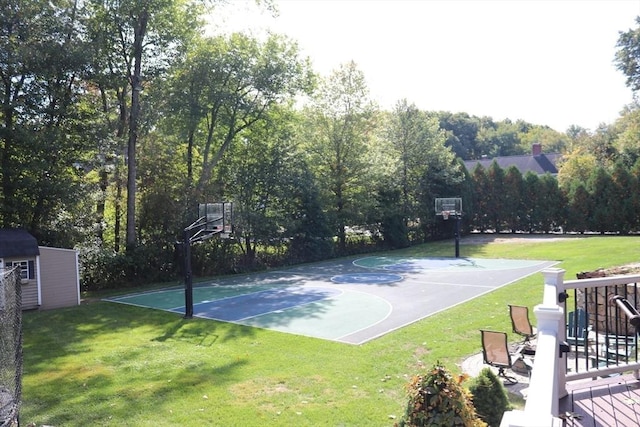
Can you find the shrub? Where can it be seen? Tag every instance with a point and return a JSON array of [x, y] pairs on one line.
[[101, 268], [438, 399], [489, 397]]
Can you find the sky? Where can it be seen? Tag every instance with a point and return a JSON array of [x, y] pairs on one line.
[[547, 62]]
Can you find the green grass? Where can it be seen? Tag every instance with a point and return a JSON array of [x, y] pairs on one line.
[[102, 364]]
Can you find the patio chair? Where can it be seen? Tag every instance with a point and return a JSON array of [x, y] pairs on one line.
[[620, 348], [495, 352], [578, 327], [522, 326]]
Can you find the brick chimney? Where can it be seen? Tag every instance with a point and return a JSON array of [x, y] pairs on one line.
[[536, 149]]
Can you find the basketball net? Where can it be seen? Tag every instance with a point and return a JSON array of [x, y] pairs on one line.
[[445, 215]]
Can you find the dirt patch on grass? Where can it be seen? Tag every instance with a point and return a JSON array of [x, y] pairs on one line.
[[478, 238]]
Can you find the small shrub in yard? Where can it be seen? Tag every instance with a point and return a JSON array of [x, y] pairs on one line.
[[489, 397], [438, 399]]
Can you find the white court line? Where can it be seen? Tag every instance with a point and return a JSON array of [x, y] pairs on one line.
[[282, 310], [389, 312], [464, 285], [140, 294]]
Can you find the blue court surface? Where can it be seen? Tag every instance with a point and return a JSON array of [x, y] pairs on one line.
[[346, 301]]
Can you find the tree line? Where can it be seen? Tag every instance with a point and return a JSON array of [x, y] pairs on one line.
[[601, 200], [119, 117]]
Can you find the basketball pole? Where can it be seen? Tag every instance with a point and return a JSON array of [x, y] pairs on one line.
[[457, 235], [188, 277]]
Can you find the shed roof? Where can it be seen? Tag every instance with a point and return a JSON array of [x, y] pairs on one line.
[[15, 242]]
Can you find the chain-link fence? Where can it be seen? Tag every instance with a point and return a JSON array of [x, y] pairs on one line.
[[10, 346]]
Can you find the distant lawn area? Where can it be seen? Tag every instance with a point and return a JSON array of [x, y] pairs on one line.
[[105, 364]]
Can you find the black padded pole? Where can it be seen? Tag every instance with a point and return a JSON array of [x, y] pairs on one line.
[[188, 279], [457, 236]]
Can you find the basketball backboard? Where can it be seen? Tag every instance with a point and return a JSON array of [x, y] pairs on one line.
[[217, 217], [448, 206]]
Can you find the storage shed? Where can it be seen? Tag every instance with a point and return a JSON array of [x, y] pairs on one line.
[[50, 276]]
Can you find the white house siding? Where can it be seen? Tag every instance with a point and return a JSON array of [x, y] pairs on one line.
[[59, 281], [29, 287], [29, 295]]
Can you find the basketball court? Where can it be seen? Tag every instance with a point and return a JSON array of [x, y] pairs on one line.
[[350, 301]]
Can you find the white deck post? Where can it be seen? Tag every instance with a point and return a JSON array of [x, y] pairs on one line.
[[548, 375]]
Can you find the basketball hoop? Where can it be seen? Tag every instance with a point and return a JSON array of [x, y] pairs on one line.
[[445, 215]]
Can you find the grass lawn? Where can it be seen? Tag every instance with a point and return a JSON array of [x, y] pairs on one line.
[[103, 364]]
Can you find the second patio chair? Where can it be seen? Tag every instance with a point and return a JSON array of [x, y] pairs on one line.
[[522, 326]]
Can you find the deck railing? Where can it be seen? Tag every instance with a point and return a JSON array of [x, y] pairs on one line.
[[609, 346]]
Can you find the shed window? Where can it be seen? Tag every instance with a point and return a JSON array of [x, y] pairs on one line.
[[27, 268]]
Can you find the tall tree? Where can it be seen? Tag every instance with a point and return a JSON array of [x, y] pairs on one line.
[[133, 42], [419, 145], [624, 200], [601, 190], [551, 204], [579, 209], [575, 169], [513, 208], [276, 201], [496, 201], [502, 139], [627, 57], [342, 121], [226, 86], [628, 135], [533, 193], [425, 166], [481, 196], [462, 134], [41, 65]]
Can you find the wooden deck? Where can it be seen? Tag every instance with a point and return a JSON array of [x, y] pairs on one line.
[[603, 402]]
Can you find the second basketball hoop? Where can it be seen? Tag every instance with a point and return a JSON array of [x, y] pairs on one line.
[[451, 207]]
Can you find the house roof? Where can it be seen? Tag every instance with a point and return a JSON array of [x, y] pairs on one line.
[[540, 164], [15, 242]]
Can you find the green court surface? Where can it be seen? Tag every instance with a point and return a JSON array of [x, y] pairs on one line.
[[346, 301]]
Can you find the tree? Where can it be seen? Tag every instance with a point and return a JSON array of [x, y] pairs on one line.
[[41, 65], [627, 57], [513, 208], [501, 139], [406, 132], [424, 165], [533, 194], [462, 133], [340, 129], [600, 188], [308, 227], [161, 210], [133, 42], [481, 197], [575, 169], [551, 204], [579, 209], [627, 129], [624, 201], [496, 200], [225, 86], [256, 174], [551, 140]]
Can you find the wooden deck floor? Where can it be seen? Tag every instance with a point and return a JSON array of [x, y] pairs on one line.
[[604, 402]]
